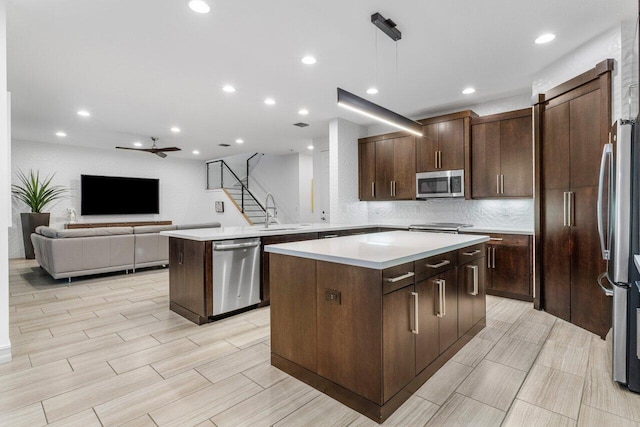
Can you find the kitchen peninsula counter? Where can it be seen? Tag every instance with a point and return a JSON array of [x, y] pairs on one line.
[[368, 319]]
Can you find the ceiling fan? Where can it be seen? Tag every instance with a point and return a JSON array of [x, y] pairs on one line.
[[154, 149]]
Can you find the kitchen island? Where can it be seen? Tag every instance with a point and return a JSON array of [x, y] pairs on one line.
[[367, 319]]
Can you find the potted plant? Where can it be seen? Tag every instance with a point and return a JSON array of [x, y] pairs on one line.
[[36, 193]]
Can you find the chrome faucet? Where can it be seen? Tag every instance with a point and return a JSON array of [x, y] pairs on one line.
[[266, 209]]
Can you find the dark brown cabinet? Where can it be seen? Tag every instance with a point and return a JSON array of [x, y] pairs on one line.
[[387, 168], [265, 288], [441, 146], [574, 120], [509, 266], [190, 269], [471, 292], [502, 155]]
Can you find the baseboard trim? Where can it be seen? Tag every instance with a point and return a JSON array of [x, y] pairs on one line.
[[5, 354]]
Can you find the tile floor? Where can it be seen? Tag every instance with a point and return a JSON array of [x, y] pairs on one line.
[[107, 351]]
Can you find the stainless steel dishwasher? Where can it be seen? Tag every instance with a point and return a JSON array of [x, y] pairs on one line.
[[236, 274]]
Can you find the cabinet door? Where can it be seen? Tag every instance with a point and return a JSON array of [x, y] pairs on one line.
[[367, 170], [398, 340], [426, 148], [485, 159], [384, 169], [451, 144], [586, 139], [187, 275], [590, 309], [404, 168], [516, 157], [448, 323], [556, 256], [427, 340], [471, 298], [510, 267], [555, 148]]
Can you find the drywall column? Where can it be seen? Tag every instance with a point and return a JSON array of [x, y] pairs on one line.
[[5, 170], [344, 205]]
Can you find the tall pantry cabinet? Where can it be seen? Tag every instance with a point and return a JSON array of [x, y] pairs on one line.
[[572, 124]]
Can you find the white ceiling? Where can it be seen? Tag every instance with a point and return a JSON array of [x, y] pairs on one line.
[[142, 66]]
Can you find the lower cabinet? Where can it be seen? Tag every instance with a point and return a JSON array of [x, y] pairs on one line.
[[509, 266], [189, 274], [471, 294]]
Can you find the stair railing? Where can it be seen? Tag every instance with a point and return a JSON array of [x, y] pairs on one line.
[[249, 165], [245, 193]]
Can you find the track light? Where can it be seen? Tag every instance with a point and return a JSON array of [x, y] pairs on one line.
[[367, 108]]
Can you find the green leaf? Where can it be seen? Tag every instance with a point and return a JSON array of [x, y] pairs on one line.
[[37, 193]]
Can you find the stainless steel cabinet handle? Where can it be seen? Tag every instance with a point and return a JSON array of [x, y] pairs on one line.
[[474, 269], [373, 189], [404, 276], [488, 257], [497, 184], [391, 188], [439, 159], [394, 188], [443, 283], [329, 236], [435, 161], [236, 246], [180, 258], [476, 252], [439, 311], [501, 184], [496, 239], [416, 326], [493, 261], [440, 264], [564, 209]]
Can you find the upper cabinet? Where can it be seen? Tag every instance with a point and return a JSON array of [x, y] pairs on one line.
[[387, 168], [502, 155], [444, 142]]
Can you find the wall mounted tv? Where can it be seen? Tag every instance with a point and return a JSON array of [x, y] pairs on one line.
[[116, 195]]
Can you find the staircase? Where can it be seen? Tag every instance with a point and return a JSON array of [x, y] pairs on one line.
[[237, 190], [253, 211]]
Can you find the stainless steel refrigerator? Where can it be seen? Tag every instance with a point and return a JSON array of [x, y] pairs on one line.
[[618, 225]]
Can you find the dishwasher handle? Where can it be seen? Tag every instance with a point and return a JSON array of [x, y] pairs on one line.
[[235, 246]]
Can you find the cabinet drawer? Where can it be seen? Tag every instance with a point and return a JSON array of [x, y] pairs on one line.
[[431, 266], [397, 277], [471, 253], [509, 239]]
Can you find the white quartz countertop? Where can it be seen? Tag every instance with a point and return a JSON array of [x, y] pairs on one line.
[[227, 233], [377, 250]]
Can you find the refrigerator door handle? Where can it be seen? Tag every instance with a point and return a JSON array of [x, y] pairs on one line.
[[607, 152], [607, 291]]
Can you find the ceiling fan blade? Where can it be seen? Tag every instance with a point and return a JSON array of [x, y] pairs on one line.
[[169, 149], [160, 154], [128, 148]]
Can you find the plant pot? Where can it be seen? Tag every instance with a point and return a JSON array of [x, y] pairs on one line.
[[31, 220]]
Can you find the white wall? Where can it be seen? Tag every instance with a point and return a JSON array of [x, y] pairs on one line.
[[231, 216], [305, 180], [321, 179], [344, 204], [183, 196], [5, 343]]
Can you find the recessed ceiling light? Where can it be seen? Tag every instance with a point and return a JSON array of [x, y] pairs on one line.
[[269, 101], [239, 141], [310, 147], [61, 134], [196, 152], [199, 6], [84, 113], [303, 112], [308, 60], [372, 91], [468, 91], [137, 144], [228, 88], [545, 38], [175, 129]]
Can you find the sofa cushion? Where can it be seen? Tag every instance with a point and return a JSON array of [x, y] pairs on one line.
[[146, 229], [82, 232], [203, 225]]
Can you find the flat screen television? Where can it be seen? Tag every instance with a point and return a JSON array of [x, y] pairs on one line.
[[116, 195]]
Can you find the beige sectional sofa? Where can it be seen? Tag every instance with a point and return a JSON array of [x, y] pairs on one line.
[[84, 251]]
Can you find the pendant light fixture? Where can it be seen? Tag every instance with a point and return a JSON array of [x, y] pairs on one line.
[[367, 108]]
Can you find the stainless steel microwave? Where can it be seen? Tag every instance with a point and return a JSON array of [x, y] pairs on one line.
[[440, 184]]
